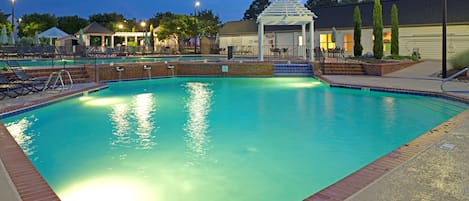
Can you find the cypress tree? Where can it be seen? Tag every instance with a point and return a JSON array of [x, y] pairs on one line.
[[394, 31], [378, 30], [357, 33]]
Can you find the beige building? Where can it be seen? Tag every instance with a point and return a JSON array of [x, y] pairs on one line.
[[420, 30]]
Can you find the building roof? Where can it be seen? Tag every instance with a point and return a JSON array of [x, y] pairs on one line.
[[95, 28], [410, 12]]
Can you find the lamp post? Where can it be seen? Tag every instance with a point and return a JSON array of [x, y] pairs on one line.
[[12, 15], [143, 24], [443, 60], [196, 4]]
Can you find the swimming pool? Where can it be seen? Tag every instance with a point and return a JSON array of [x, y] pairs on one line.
[[217, 138], [108, 60]]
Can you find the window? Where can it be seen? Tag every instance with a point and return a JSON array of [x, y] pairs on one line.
[[300, 40], [326, 41], [387, 41], [348, 42]]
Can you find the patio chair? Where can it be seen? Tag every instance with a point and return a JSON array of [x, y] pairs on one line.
[[10, 89], [35, 84], [48, 52]]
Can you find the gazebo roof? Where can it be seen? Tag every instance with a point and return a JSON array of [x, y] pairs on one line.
[[95, 28], [53, 32], [285, 12]]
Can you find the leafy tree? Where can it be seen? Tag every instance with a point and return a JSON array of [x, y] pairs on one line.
[[394, 31], [35, 22], [71, 24], [209, 23], [4, 21], [125, 25], [378, 30], [177, 26], [108, 20], [155, 20], [256, 8], [357, 33]]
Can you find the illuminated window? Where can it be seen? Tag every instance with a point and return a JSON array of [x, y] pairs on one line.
[[387, 41], [348, 42], [300, 40], [326, 41]]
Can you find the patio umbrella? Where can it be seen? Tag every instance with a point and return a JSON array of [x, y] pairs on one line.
[[36, 40], [12, 38], [80, 37], [146, 40], [217, 39], [3, 36], [334, 33]]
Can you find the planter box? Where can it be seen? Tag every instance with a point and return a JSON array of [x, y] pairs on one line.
[[380, 69]]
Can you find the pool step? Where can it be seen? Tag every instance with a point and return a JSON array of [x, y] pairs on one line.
[[78, 74], [343, 69], [440, 107], [292, 70]]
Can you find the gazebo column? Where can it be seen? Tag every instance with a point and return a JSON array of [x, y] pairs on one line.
[[311, 41], [102, 40], [260, 51], [303, 31], [112, 41], [125, 40]]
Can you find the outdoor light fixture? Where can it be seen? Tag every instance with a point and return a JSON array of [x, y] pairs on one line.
[[12, 15], [120, 26], [143, 24]]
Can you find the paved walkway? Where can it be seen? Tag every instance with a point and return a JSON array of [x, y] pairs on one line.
[[418, 77]]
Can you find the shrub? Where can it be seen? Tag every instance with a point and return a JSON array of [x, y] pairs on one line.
[[378, 30], [394, 31], [460, 60], [400, 57], [357, 33], [25, 41]]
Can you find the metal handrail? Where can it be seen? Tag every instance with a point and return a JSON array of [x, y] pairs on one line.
[[452, 77]]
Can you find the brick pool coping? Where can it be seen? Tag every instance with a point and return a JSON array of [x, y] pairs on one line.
[[32, 186]]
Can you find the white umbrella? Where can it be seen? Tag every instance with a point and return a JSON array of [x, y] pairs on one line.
[[3, 36], [146, 40], [80, 37], [217, 39], [12, 38], [36, 39]]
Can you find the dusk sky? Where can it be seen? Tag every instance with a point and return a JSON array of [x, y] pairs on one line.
[[139, 9]]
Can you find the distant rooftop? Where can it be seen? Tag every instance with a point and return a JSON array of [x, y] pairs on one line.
[[410, 12]]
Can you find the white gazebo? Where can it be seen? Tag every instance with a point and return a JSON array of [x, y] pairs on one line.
[[287, 12]]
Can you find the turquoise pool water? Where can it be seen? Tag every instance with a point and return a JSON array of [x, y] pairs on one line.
[[92, 61], [215, 139]]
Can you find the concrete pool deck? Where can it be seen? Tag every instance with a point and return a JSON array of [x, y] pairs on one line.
[[434, 172]]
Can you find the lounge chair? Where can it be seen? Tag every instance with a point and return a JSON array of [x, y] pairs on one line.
[[10, 89], [34, 84]]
